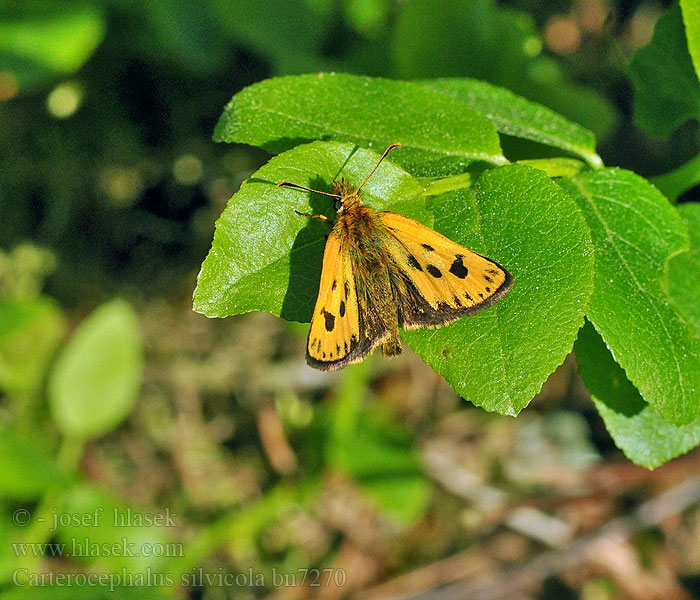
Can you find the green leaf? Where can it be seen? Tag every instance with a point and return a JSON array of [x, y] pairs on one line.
[[27, 468], [644, 437], [691, 18], [278, 114], [96, 379], [521, 118], [684, 271], [499, 358], [30, 331], [265, 256], [635, 231], [42, 39], [665, 82]]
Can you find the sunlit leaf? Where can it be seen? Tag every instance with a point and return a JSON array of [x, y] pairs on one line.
[[278, 114], [635, 232], [499, 358]]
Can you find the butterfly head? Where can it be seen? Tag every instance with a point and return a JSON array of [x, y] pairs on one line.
[[344, 193]]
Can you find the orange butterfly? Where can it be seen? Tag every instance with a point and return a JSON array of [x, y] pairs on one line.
[[381, 271]]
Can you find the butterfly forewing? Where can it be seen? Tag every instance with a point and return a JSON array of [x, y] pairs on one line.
[[440, 281], [335, 333]]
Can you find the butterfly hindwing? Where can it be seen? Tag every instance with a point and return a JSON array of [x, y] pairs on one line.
[[439, 280], [335, 336]]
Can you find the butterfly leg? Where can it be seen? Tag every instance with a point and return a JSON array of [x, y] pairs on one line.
[[308, 216]]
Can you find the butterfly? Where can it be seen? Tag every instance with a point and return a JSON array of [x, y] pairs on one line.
[[382, 271]]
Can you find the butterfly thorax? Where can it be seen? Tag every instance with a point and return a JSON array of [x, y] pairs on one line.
[[357, 226]]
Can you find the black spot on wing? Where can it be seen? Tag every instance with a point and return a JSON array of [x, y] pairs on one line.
[[414, 263], [347, 290], [428, 247], [342, 308], [434, 271], [487, 278], [335, 285], [458, 269], [330, 320]]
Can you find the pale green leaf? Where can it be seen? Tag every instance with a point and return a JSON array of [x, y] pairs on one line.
[[96, 379]]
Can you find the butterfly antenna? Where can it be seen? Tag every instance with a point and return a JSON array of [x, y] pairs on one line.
[[389, 149], [301, 187]]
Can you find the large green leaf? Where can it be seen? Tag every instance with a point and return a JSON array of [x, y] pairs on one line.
[[518, 117], [265, 256], [684, 271], [96, 379], [691, 18], [500, 358], [665, 82], [278, 114], [644, 437], [635, 231]]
